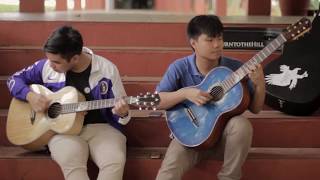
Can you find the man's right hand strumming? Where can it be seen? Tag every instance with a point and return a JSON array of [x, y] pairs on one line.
[[38, 102], [197, 96]]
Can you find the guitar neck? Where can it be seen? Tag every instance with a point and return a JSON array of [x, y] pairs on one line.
[[240, 73], [92, 105]]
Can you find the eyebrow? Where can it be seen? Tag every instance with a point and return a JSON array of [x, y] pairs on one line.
[[57, 62]]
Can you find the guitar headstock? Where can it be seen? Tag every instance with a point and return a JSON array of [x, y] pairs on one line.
[[297, 29], [147, 100]]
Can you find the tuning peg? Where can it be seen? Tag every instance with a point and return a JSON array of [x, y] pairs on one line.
[[148, 93], [140, 108], [152, 103], [154, 108], [146, 108]]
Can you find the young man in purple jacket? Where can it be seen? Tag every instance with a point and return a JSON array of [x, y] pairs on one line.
[[68, 63]]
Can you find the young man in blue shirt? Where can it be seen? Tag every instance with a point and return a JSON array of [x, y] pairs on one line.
[[205, 34]]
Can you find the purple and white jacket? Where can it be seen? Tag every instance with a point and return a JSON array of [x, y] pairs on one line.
[[104, 81]]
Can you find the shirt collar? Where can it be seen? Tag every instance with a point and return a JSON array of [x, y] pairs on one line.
[[193, 67]]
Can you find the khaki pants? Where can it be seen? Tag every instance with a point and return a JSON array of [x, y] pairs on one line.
[[233, 147], [105, 144]]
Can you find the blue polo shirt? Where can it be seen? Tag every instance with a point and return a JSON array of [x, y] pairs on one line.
[[184, 73]]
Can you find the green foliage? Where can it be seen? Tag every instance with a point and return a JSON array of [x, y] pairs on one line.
[[15, 8], [9, 8]]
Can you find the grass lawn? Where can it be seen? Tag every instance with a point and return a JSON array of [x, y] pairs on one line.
[[15, 8], [9, 8]]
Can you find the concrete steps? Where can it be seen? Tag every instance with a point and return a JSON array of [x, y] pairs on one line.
[[271, 129], [142, 46], [143, 164], [144, 61]]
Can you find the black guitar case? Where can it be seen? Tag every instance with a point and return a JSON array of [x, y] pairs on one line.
[[293, 80]]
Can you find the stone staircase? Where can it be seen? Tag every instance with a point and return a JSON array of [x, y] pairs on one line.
[[142, 46]]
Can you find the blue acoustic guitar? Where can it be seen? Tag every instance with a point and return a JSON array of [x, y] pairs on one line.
[[201, 126]]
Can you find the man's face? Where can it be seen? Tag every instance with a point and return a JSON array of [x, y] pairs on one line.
[[58, 63], [208, 47]]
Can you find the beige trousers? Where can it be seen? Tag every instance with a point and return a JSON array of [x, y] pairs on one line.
[[233, 148], [105, 145]]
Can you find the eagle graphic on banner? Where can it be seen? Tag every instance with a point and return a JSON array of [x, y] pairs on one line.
[[287, 77]]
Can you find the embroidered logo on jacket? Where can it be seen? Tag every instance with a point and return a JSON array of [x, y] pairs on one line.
[[103, 87], [286, 78]]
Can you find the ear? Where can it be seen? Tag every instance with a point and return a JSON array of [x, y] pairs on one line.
[[192, 42], [75, 58]]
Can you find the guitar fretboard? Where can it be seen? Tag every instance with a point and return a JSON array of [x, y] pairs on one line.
[[91, 105], [240, 73]]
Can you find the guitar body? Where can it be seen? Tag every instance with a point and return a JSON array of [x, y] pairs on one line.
[[212, 117], [34, 133]]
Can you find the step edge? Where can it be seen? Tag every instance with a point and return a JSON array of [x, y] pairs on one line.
[[265, 114], [158, 153]]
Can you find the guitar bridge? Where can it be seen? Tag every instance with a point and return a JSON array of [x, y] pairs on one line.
[[192, 117]]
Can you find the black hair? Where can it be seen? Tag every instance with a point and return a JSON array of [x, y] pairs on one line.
[[204, 24], [65, 41]]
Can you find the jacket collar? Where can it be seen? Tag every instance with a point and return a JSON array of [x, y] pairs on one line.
[[94, 62]]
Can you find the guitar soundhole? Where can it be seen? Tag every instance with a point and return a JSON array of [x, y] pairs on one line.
[[216, 93], [54, 110]]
